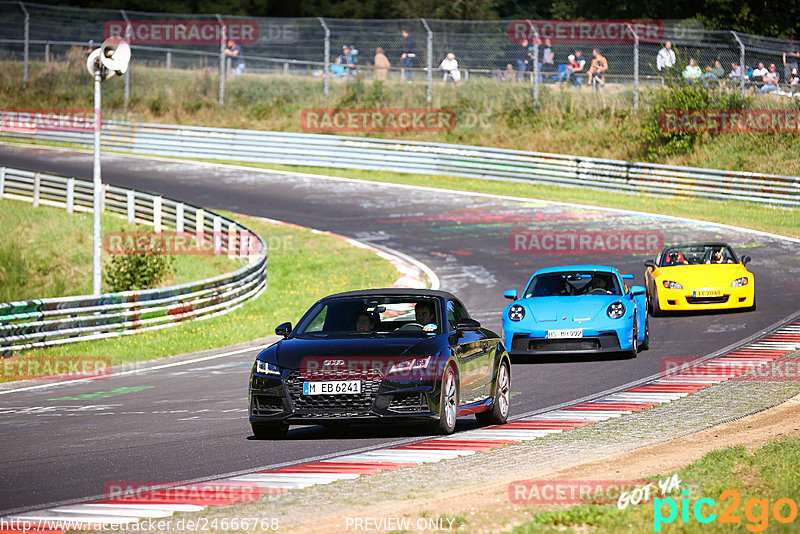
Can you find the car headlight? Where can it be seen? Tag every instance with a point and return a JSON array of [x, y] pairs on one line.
[[739, 282], [516, 312], [412, 364], [266, 368], [671, 285], [616, 310]]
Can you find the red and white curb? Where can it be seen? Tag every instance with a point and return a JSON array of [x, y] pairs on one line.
[[662, 390]]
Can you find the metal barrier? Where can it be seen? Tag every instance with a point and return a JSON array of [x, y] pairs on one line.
[[436, 158], [53, 321]]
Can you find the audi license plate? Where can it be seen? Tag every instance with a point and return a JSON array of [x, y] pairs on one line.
[[707, 293], [337, 387], [562, 334]]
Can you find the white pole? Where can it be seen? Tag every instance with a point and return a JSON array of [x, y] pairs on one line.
[[157, 213], [131, 206], [37, 182], [70, 195], [179, 217], [2, 180], [98, 191]]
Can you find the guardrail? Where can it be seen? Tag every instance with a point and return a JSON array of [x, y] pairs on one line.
[[53, 321], [434, 158]]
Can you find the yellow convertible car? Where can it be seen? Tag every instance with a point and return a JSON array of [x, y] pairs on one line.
[[699, 276]]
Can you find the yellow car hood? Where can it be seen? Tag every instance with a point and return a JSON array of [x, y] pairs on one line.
[[708, 275]]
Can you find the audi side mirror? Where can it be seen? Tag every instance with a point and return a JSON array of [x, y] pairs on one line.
[[467, 325], [284, 330]]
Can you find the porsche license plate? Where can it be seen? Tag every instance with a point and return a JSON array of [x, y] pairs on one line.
[[562, 334], [707, 293], [332, 387]]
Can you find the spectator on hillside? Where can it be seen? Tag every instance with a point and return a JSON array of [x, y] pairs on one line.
[[794, 79], [758, 74], [530, 52], [790, 59], [736, 72], [771, 80], [382, 65], [522, 58], [450, 67], [665, 59], [579, 69], [234, 52], [597, 69], [546, 56], [692, 72], [570, 68], [508, 75], [408, 56], [713, 73]]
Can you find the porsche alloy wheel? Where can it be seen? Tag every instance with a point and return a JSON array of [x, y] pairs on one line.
[[498, 414], [448, 410]]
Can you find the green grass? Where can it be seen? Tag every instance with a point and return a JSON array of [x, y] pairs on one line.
[[768, 473], [303, 267], [744, 214], [489, 113], [46, 252]]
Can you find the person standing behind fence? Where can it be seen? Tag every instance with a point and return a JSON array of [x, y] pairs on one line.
[[547, 64], [382, 65], [408, 55], [234, 52], [522, 58], [665, 59], [790, 59]]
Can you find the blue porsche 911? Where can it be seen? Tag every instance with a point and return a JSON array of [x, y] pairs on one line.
[[576, 309]]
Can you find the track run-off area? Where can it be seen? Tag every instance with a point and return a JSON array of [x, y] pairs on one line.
[[188, 421]]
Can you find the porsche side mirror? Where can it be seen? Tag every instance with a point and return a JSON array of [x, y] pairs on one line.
[[746, 260], [650, 263], [638, 290], [284, 330], [467, 325], [510, 294]]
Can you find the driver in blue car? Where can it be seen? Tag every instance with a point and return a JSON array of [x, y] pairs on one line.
[[597, 285], [365, 323]]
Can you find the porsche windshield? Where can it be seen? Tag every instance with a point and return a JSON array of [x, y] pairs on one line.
[[372, 316], [697, 255], [573, 284]]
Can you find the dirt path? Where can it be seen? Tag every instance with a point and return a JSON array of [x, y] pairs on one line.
[[488, 509]]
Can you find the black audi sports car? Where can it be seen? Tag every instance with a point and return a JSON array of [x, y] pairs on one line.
[[380, 355]]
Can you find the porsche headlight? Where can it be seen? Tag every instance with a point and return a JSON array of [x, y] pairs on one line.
[[616, 310], [516, 312], [267, 368], [671, 285], [739, 282]]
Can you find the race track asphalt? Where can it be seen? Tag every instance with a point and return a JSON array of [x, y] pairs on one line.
[[190, 421]]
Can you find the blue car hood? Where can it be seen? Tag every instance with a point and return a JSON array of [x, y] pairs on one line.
[[580, 308]]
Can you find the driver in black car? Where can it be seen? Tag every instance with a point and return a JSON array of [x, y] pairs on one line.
[[425, 313]]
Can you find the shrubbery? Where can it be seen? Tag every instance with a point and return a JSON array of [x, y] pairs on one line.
[[126, 272]]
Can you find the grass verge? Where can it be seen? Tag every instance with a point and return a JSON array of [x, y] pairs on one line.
[[760, 479], [46, 252], [303, 267]]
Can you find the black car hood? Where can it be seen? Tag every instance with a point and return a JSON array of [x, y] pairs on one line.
[[290, 353]]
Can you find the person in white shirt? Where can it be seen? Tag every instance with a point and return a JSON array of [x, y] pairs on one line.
[[759, 73], [666, 57], [450, 67]]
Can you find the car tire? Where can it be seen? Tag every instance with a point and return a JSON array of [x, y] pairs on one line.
[[269, 430], [753, 307], [646, 342], [448, 407], [655, 309], [498, 413], [634, 350]]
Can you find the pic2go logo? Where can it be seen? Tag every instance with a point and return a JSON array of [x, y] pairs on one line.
[[756, 511]]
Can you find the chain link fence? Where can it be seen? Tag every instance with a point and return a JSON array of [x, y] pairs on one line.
[[490, 63]]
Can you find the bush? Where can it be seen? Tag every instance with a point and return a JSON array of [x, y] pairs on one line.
[[130, 271], [657, 143]]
